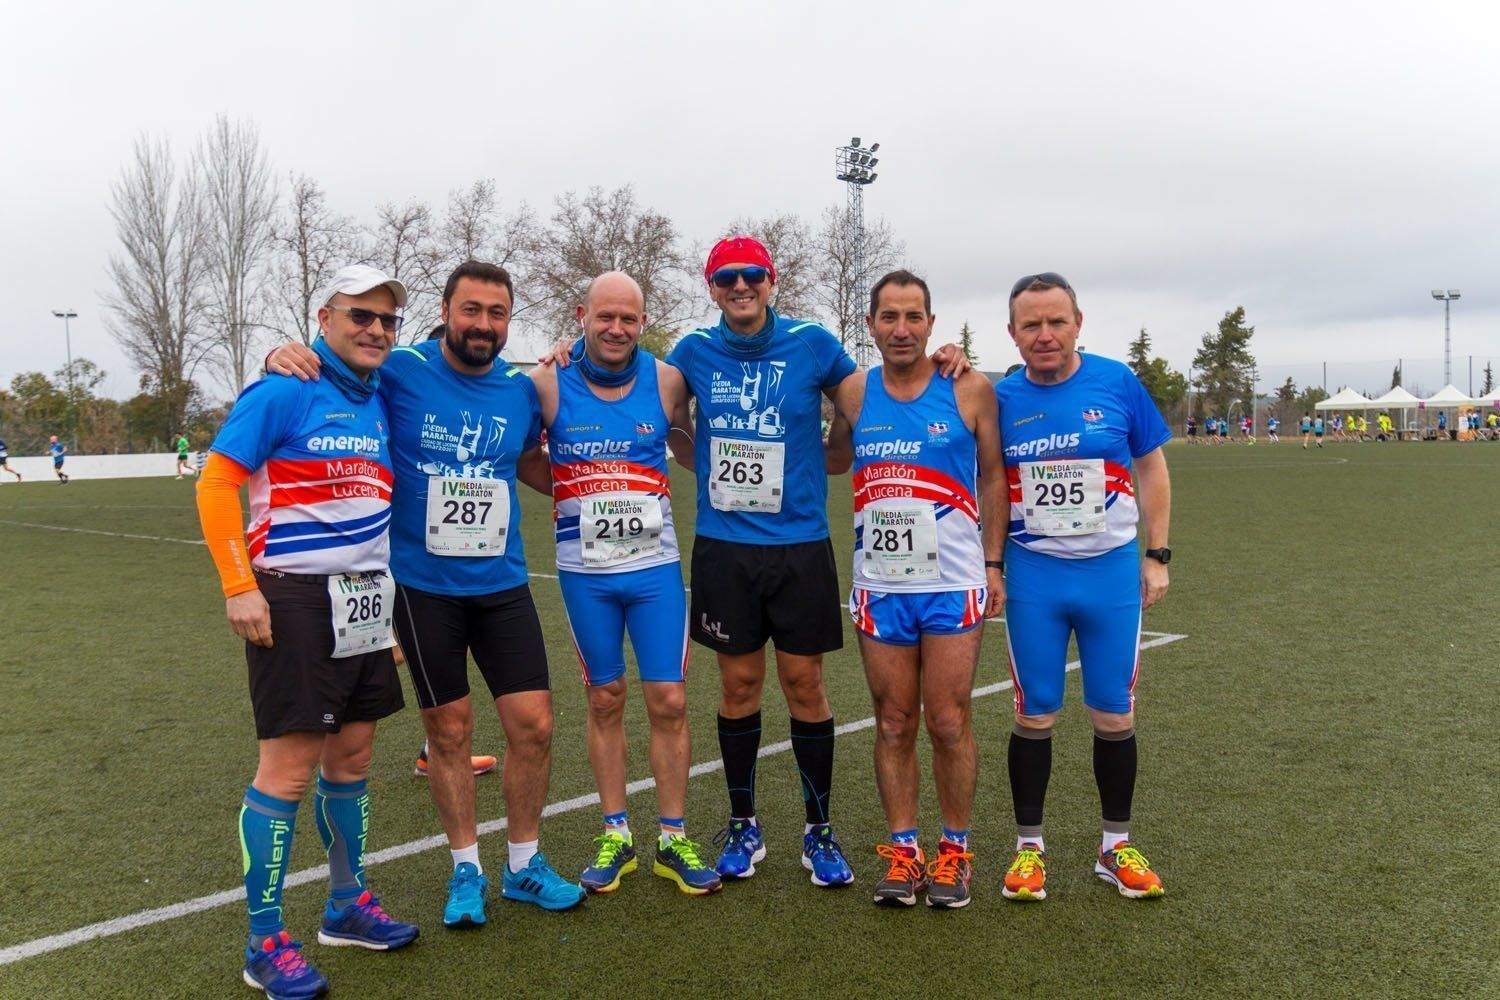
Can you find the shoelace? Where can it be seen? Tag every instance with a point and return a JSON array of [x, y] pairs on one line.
[[1128, 857], [825, 846], [610, 846], [370, 905], [904, 867], [944, 868], [1027, 860], [288, 959], [733, 835], [687, 850]]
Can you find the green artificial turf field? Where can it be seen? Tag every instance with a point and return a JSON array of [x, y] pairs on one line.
[[1318, 780]]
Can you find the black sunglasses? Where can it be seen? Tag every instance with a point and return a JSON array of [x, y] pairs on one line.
[[362, 318], [1046, 278], [725, 277]]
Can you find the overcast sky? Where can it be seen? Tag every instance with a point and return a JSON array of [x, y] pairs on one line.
[[1323, 164]]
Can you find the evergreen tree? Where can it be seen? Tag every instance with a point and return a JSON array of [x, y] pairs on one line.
[[966, 344], [1287, 393], [1395, 376], [1224, 365], [1139, 354], [1489, 378]]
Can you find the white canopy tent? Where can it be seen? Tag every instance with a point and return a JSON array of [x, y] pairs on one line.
[[1397, 399], [1344, 399], [1449, 396]]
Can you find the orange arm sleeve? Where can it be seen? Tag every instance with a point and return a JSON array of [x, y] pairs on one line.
[[223, 521]]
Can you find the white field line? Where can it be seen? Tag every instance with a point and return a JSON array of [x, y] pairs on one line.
[[145, 918], [111, 534]]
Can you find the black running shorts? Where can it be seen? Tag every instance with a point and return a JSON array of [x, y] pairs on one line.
[[438, 633], [295, 685], [744, 595]]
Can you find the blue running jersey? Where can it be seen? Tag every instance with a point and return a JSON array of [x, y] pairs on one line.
[[759, 444], [455, 440], [612, 499], [1068, 449], [916, 517], [320, 475]]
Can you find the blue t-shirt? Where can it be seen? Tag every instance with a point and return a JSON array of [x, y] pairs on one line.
[[444, 423], [320, 478], [57, 449], [1102, 412], [757, 411]]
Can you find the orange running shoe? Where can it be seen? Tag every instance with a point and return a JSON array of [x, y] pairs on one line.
[[948, 877], [1128, 870], [905, 877], [483, 763], [1027, 878]]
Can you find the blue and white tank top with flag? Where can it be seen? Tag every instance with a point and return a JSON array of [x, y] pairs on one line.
[[916, 518], [612, 498]]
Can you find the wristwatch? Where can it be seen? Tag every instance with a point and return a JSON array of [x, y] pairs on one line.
[[995, 564], [1162, 555]]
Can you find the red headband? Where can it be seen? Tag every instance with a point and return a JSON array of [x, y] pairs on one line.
[[738, 250]]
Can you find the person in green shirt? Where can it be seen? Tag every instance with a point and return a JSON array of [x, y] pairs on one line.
[[183, 468]]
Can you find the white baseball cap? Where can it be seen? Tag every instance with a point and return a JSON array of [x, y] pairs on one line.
[[356, 279]]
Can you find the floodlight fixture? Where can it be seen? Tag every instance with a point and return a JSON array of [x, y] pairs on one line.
[[854, 142]]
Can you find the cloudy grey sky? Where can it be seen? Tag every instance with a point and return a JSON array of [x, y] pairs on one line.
[[1322, 164]]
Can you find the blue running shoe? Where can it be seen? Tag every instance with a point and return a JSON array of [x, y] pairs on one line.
[[363, 924], [822, 856], [538, 883], [743, 849], [465, 897], [680, 862], [616, 857], [278, 968]]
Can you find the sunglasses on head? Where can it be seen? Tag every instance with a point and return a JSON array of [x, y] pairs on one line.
[[725, 277], [362, 318], [1046, 278]]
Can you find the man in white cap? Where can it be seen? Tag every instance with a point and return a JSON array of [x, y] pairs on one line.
[[307, 587]]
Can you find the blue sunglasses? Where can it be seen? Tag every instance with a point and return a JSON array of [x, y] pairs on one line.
[[725, 277]]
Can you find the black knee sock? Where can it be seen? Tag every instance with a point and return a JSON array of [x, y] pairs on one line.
[[812, 745], [739, 742], [1114, 772], [1030, 762]]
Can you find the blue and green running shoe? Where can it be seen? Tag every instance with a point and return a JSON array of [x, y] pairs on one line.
[[363, 924], [465, 897], [538, 883], [278, 968], [822, 856], [615, 857], [679, 861], [743, 849]]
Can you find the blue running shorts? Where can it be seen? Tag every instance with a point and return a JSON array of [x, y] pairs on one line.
[[1096, 599], [650, 603], [901, 619]]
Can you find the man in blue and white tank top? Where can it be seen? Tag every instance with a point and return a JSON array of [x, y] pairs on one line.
[[1082, 441], [928, 485], [610, 416]]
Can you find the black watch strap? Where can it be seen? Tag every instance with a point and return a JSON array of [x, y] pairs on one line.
[[1162, 555], [994, 563]]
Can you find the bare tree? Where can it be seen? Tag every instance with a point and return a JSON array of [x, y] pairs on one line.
[[603, 232], [311, 242], [156, 309], [842, 285], [796, 255], [403, 244], [239, 207]]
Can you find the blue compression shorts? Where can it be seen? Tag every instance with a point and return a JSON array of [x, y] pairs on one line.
[[1098, 600], [650, 603], [901, 619]]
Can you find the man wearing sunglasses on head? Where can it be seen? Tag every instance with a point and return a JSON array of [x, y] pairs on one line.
[[1082, 443], [461, 420], [762, 565]]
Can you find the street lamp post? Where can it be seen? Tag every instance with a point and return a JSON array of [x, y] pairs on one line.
[[66, 315], [1446, 298], [855, 166]]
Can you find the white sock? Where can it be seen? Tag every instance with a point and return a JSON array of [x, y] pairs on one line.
[[1036, 842], [1110, 839], [468, 854], [520, 855]]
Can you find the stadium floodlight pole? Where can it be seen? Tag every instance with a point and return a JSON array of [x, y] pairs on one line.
[[855, 166], [66, 315], [1446, 298]]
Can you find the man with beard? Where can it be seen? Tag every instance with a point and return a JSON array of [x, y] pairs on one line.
[[461, 418]]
